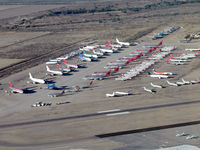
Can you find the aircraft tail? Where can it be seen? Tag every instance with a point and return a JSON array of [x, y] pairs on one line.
[[117, 40], [30, 76], [116, 69], [58, 66], [51, 86], [109, 43], [65, 61], [84, 52], [10, 84], [63, 92], [47, 68], [108, 73], [80, 56], [155, 48], [132, 59], [167, 61], [160, 43], [127, 62], [91, 82]]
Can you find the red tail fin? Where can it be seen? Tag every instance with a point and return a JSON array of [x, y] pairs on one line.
[[155, 48], [167, 61], [116, 69], [179, 53], [65, 61], [160, 43], [190, 39], [127, 62], [63, 91], [58, 66], [10, 84], [150, 50], [171, 55], [132, 59], [107, 45], [109, 42], [91, 82], [108, 73]]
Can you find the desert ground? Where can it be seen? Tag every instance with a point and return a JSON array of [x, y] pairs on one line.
[[150, 121]]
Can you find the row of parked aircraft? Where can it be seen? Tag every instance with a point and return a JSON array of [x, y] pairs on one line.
[[61, 70], [188, 136], [165, 32], [98, 51]]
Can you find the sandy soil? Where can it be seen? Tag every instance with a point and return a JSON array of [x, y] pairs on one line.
[[9, 38], [25, 10], [3, 7], [7, 62]]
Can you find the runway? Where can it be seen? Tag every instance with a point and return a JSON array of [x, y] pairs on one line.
[[107, 113]]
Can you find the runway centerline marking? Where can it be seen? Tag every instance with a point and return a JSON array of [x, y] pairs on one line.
[[121, 113], [106, 111]]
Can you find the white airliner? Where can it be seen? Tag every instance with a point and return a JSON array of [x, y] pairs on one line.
[[181, 134], [35, 80], [197, 49], [122, 43], [160, 76], [51, 62], [70, 65], [173, 84], [85, 58], [89, 55], [52, 72], [15, 90], [66, 70], [62, 58], [98, 53], [185, 82], [149, 90], [178, 60], [106, 50], [114, 45], [156, 86], [175, 63], [162, 73], [191, 137], [117, 94]]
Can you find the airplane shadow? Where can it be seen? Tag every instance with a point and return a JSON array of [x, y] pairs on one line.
[[74, 70], [82, 66], [67, 74], [106, 54], [100, 57], [170, 77], [95, 60], [60, 103], [49, 82], [28, 91]]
